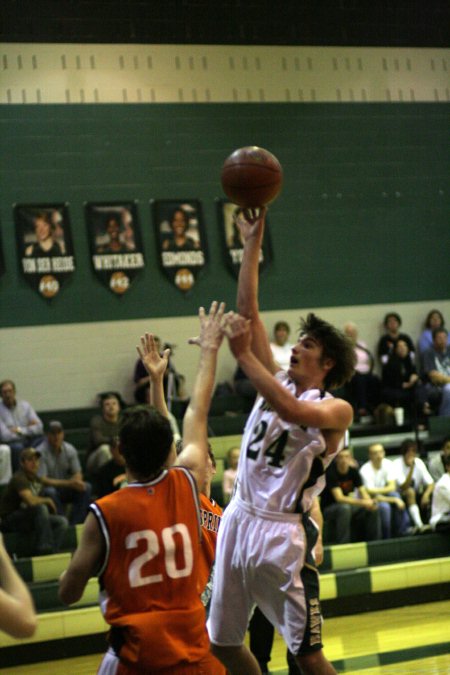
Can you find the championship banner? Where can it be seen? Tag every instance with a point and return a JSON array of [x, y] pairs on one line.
[[228, 216], [44, 241], [181, 240], [116, 243]]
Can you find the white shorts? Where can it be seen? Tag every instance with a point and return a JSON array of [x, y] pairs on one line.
[[109, 664], [260, 561]]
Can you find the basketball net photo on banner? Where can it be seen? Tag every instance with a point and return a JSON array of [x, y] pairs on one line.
[[44, 242], [116, 243], [181, 240], [233, 246]]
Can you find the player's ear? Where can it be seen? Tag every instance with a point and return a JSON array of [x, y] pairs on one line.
[[328, 364]]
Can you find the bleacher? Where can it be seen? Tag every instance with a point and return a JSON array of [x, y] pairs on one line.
[[355, 577]]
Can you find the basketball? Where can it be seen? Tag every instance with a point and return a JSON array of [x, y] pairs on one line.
[[251, 177]]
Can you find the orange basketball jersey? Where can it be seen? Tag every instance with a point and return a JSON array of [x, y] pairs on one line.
[[210, 516], [149, 579]]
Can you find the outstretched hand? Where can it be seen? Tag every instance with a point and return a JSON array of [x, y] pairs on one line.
[[237, 330], [154, 363], [211, 333], [251, 222]]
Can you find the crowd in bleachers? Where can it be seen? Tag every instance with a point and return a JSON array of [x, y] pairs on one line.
[[370, 500]]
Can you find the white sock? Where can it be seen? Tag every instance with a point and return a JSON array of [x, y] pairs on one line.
[[415, 515]]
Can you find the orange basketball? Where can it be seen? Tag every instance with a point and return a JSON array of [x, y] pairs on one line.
[[251, 177]]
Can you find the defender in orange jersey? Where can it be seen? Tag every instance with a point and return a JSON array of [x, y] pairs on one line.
[[144, 540]]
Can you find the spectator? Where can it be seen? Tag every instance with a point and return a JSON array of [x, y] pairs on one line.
[[280, 346], [17, 613], [346, 504], [230, 473], [399, 379], [104, 429], [414, 482], [436, 373], [379, 480], [243, 386], [440, 507], [392, 322], [25, 509], [436, 466], [364, 387], [61, 474], [434, 320], [111, 476], [20, 426]]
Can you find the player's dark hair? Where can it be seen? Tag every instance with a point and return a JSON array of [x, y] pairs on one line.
[[335, 346], [395, 316], [430, 314], [145, 440]]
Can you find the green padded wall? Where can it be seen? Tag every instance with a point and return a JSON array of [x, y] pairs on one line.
[[362, 219]]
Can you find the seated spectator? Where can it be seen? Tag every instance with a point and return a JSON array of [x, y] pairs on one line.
[[399, 378], [25, 509], [414, 483], [112, 475], [243, 386], [434, 320], [379, 481], [440, 506], [230, 473], [61, 474], [346, 504], [436, 374], [173, 380], [364, 387], [386, 343], [103, 430], [20, 426], [436, 466], [280, 346]]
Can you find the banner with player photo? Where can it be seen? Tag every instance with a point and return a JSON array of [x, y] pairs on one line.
[[45, 248], [116, 243], [228, 215], [181, 240]]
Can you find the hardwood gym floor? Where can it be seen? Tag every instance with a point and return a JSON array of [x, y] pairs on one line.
[[401, 641]]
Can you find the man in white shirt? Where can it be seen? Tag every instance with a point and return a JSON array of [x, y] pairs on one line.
[[20, 426], [440, 507], [414, 482], [280, 345], [379, 480]]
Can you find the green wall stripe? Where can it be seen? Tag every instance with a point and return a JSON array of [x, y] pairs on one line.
[[358, 178], [353, 583]]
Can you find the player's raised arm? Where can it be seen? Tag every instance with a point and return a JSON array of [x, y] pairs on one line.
[[195, 423], [156, 366], [251, 223]]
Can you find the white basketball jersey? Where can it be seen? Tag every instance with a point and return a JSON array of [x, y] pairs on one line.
[[282, 465]]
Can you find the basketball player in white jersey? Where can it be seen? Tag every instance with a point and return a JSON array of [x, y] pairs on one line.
[[264, 553]]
